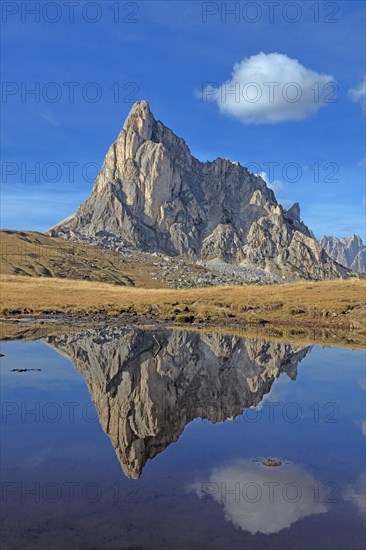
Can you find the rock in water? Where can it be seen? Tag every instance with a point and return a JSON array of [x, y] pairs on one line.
[[154, 194]]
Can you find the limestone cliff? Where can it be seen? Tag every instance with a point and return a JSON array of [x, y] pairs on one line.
[[154, 194]]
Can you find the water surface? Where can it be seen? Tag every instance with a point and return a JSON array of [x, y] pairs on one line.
[[133, 439]]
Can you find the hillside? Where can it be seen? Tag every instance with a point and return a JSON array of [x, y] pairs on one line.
[[38, 255]]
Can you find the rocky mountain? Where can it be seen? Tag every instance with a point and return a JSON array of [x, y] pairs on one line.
[[348, 251], [153, 193], [148, 385]]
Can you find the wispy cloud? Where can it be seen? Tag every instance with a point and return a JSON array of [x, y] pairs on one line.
[[363, 427], [49, 117], [39, 207], [278, 187], [357, 494], [275, 185], [358, 94]]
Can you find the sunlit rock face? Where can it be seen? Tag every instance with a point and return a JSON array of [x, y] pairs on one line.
[[348, 251], [148, 385], [154, 194]]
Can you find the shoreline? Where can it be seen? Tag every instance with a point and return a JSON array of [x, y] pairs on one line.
[[33, 327], [325, 311]]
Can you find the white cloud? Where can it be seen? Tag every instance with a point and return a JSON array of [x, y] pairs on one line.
[[271, 88], [358, 94], [357, 494], [256, 508], [363, 427]]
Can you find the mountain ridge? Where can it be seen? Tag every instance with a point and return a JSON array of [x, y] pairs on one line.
[[154, 194], [348, 251]]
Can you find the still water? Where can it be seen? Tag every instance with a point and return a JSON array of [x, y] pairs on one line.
[[133, 439]]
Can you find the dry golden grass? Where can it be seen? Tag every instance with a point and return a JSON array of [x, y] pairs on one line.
[[38, 255], [339, 303]]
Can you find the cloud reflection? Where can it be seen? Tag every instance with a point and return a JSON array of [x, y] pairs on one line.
[[261, 499]]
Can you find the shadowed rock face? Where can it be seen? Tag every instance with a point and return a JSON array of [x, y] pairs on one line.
[[154, 194], [147, 386]]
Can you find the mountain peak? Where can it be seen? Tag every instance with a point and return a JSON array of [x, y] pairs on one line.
[[140, 109], [143, 104], [139, 121], [294, 212], [154, 194], [357, 239]]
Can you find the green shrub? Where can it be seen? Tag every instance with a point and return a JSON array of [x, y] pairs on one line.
[[184, 318]]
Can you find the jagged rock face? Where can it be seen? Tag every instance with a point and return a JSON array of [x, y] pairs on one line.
[[348, 251], [152, 192], [147, 386]]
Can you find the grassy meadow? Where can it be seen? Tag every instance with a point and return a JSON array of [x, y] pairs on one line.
[[339, 303]]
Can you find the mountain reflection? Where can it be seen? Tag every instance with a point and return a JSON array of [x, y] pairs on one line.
[[148, 385]]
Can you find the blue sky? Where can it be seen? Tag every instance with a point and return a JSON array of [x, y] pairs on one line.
[[170, 53]]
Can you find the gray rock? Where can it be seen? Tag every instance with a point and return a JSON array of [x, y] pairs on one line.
[[151, 193], [348, 251]]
